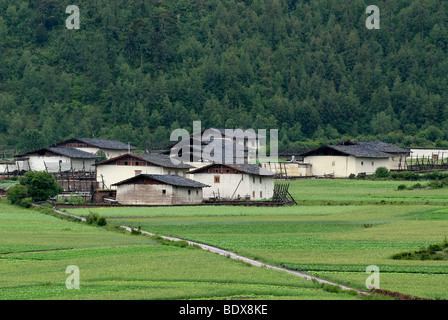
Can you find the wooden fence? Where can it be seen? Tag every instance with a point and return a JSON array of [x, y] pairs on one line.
[[426, 163]]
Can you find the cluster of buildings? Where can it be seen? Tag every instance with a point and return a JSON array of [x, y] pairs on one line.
[[155, 178], [354, 158]]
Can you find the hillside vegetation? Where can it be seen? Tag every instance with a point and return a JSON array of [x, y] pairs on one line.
[[136, 69]]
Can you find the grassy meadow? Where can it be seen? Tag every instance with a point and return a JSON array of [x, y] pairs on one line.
[[36, 248], [338, 228]]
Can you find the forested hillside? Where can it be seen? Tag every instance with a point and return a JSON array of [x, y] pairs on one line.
[[136, 69]]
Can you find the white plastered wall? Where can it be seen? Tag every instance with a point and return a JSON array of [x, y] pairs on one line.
[[339, 166], [109, 153], [56, 164], [343, 166], [111, 174], [232, 185], [369, 165]]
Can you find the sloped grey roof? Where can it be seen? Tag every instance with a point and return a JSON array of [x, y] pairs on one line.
[[231, 133], [217, 155], [162, 160], [236, 133], [173, 180], [245, 168], [382, 146], [252, 169], [68, 152], [158, 159], [74, 153], [351, 150], [101, 143], [360, 151]]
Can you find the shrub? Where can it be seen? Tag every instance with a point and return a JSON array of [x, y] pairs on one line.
[[41, 185], [26, 202], [407, 175], [61, 200], [436, 184], [17, 193], [101, 221], [71, 199], [435, 175], [361, 176], [402, 187], [352, 176], [417, 186], [435, 247], [136, 231], [430, 253], [382, 172], [92, 218]]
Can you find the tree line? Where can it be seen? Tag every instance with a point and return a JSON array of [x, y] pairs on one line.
[[137, 69]]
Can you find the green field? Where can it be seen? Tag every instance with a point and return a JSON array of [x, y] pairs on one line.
[[338, 229], [347, 191], [36, 249], [6, 183]]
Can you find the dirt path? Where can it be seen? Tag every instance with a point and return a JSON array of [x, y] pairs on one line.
[[250, 261], [62, 213]]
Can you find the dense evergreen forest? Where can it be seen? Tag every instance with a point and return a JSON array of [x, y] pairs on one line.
[[137, 69]]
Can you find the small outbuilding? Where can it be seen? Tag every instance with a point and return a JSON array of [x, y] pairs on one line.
[[153, 189]]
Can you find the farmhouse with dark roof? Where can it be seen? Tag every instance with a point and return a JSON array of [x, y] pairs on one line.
[[111, 171], [55, 159], [235, 181], [110, 148], [350, 157]]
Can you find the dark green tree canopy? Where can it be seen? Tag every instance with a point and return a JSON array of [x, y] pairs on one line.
[[311, 69], [40, 185]]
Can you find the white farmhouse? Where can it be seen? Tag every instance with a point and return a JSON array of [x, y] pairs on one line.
[[110, 148], [350, 157], [340, 161], [112, 171], [56, 160], [235, 181]]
